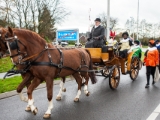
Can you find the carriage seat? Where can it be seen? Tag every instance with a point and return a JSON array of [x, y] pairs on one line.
[[99, 54]]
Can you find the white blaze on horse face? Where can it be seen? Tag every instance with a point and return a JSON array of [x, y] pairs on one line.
[[30, 103], [9, 51], [61, 88], [78, 94], [23, 98], [50, 107]]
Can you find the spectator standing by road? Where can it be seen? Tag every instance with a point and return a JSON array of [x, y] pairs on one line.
[[151, 60], [158, 48]]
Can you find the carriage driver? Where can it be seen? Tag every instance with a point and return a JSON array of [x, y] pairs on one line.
[[96, 37]]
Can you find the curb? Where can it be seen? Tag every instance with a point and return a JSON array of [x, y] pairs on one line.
[[14, 92]]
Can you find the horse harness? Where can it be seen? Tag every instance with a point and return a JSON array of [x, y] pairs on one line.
[[24, 61]]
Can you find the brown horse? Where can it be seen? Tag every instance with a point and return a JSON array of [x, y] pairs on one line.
[[27, 77], [41, 56]]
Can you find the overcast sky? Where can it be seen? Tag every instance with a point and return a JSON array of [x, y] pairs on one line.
[[121, 9]]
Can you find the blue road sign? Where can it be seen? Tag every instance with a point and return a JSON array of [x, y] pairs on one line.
[[70, 35]]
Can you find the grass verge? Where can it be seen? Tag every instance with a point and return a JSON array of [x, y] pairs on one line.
[[9, 84], [5, 64], [12, 83]]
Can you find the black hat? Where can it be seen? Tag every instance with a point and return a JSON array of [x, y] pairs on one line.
[[98, 19], [125, 33], [137, 42], [157, 41]]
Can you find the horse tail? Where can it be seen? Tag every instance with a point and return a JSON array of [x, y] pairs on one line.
[[91, 74]]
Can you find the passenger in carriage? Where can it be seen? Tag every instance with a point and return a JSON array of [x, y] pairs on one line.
[[137, 49], [151, 60], [126, 44], [112, 40], [96, 37]]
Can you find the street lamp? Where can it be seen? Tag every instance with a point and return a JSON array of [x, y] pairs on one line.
[[137, 19], [108, 18]]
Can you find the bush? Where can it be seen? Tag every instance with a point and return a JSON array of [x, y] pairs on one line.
[[71, 42]]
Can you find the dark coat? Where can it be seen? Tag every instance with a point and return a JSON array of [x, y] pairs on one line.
[[97, 32]]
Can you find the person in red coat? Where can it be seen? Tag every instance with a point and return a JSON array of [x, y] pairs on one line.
[[151, 60]]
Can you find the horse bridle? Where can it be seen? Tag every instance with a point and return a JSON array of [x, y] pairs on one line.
[[14, 46]]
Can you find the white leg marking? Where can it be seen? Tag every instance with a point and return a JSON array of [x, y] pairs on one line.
[[61, 88], [50, 107], [30, 103], [85, 89], [83, 80], [78, 94], [23, 98]]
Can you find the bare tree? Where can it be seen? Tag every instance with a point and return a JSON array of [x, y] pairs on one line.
[[113, 21]]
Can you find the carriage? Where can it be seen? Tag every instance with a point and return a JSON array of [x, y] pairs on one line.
[[107, 62]]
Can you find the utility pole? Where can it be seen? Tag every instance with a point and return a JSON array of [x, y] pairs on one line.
[[108, 19], [137, 19]]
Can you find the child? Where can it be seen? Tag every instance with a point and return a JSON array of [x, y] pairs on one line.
[[137, 49]]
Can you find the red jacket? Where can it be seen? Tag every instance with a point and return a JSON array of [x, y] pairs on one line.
[[152, 57]]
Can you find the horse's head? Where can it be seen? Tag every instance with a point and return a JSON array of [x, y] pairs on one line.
[[3, 46], [16, 48]]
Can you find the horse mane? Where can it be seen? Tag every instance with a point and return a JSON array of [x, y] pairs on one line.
[[27, 33]]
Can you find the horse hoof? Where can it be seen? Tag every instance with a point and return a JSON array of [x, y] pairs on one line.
[[46, 116], [76, 100], [28, 109], [35, 111], [58, 98], [88, 94], [64, 90]]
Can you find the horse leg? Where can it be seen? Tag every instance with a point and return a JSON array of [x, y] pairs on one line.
[[30, 105], [86, 85], [79, 82], [62, 89], [26, 82], [49, 84]]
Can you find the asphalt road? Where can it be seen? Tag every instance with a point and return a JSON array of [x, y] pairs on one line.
[[131, 101]]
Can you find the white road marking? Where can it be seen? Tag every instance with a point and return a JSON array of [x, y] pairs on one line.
[[154, 114]]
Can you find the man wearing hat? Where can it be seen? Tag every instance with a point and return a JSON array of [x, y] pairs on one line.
[[96, 37]]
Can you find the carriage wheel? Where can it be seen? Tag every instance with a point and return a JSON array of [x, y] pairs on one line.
[[134, 68], [105, 72], [114, 77]]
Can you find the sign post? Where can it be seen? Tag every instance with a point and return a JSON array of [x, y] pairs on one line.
[[67, 35]]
